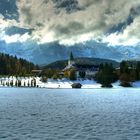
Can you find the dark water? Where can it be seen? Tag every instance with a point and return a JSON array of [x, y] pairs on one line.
[[42, 114]]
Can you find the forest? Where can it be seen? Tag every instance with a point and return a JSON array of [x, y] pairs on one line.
[[11, 65], [127, 71]]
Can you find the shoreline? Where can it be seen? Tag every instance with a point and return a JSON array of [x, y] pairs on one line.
[[27, 82]]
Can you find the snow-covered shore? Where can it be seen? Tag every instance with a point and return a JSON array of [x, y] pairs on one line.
[[63, 83], [14, 81]]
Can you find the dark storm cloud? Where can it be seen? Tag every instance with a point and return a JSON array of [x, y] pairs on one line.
[[69, 29], [68, 5]]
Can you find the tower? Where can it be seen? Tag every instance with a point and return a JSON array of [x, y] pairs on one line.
[[71, 60]]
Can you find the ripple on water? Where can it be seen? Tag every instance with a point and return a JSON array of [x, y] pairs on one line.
[[40, 114]]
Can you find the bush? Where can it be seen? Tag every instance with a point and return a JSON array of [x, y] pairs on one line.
[[44, 79], [55, 77], [125, 80], [125, 84], [72, 74]]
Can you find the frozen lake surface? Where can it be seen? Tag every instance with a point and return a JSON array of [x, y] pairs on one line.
[[69, 114]]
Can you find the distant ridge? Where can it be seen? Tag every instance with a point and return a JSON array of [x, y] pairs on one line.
[[61, 64]]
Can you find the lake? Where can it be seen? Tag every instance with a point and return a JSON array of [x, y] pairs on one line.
[[69, 114]]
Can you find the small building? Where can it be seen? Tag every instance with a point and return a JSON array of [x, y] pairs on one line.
[[36, 72], [79, 67]]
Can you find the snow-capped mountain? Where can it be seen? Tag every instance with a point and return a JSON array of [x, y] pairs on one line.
[[47, 53]]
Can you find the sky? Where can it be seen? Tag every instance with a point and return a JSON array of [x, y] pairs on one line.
[[27, 26]]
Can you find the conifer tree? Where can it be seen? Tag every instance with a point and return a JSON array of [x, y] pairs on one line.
[[106, 75], [125, 74]]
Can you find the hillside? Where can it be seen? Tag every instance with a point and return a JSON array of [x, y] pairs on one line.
[[10, 65], [84, 60]]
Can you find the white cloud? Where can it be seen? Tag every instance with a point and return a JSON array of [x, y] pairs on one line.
[[6, 23], [48, 37], [15, 38], [90, 20], [78, 39], [129, 37]]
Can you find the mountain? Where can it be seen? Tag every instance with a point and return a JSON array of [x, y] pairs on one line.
[[88, 61], [44, 54]]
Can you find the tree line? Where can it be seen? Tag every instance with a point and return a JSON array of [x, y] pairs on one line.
[[11, 65], [126, 73]]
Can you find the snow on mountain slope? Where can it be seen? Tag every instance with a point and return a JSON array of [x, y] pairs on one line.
[[47, 53]]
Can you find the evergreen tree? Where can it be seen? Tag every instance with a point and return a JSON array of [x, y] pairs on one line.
[[124, 67], [106, 75], [19, 83], [34, 82], [126, 75], [138, 70], [24, 84], [82, 74], [16, 83], [11, 83], [10, 65], [28, 83]]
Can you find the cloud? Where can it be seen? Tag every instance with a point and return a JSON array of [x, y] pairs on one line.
[[69, 22], [7, 36], [5, 23], [129, 37], [16, 38]]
